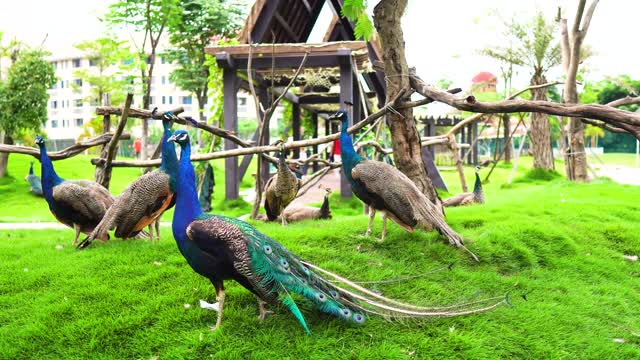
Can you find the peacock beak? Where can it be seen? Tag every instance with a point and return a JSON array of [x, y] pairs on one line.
[[172, 138]]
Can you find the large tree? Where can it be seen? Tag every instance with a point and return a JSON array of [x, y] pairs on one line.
[[148, 19], [534, 48], [190, 32], [24, 97]]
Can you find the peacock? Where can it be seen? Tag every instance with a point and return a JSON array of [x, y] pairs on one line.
[[223, 248], [298, 213], [144, 200], [386, 189], [468, 198], [35, 185], [281, 189], [79, 204]]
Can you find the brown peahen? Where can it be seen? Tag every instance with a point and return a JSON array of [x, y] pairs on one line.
[[298, 213], [281, 189], [79, 204], [386, 189], [144, 200], [468, 198]]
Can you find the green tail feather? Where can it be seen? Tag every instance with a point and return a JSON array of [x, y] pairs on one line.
[[291, 305]]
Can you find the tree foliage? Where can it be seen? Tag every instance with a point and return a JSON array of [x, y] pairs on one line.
[[191, 30], [356, 11], [23, 95]]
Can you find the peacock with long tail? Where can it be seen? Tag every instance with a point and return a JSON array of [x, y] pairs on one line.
[[387, 190], [35, 184], [142, 203], [79, 204], [222, 248], [468, 198], [281, 189]]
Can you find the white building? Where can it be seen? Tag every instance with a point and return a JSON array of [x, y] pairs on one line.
[[70, 108]]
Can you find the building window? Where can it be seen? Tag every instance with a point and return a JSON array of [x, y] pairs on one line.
[[164, 100], [242, 101], [92, 62], [54, 104], [54, 124], [79, 122], [152, 100], [164, 80], [170, 100], [77, 102], [187, 100], [65, 123], [76, 63], [94, 102], [163, 59], [78, 82], [61, 84], [149, 59]]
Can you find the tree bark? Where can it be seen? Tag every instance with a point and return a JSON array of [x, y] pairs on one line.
[[506, 122], [541, 129], [4, 157], [404, 134]]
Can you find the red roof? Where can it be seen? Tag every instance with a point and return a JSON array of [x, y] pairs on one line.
[[483, 77]]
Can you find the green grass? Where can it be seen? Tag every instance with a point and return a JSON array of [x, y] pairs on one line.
[[18, 205], [623, 159], [560, 243]]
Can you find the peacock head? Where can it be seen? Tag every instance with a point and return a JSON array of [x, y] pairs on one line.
[[39, 141], [341, 116], [180, 136], [478, 168]]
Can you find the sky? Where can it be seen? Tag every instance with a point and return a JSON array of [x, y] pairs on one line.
[[442, 37]]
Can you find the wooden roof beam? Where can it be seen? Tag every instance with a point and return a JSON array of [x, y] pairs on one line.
[[286, 26]]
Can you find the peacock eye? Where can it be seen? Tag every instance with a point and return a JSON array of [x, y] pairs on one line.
[[358, 318]]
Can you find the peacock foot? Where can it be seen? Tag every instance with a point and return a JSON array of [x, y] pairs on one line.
[[263, 312]]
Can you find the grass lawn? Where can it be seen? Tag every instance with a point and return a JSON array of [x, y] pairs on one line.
[[560, 243], [622, 159]]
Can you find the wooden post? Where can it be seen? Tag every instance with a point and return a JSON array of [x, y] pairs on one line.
[[314, 121], [470, 139], [295, 124], [346, 94], [111, 151], [265, 99], [474, 148], [100, 174], [230, 112]]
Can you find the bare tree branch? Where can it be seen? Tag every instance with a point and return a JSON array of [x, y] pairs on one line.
[[71, 151], [587, 18]]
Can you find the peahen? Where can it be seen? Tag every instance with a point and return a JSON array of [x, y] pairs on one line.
[[281, 189], [223, 248], [298, 213], [386, 189], [144, 200], [468, 198], [35, 185], [79, 204]]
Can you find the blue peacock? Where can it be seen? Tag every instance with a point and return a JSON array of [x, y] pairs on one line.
[[142, 203], [387, 190], [79, 204], [222, 248], [35, 185]]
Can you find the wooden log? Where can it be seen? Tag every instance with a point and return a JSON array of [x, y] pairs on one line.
[[111, 152], [71, 151]]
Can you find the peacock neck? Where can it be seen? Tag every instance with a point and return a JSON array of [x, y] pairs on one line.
[[31, 168], [187, 205], [169, 158], [349, 156], [49, 176], [477, 187]]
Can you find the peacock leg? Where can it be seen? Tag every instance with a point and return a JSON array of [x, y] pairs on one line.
[[158, 229], [220, 297], [283, 220], [263, 311], [150, 230], [384, 227], [372, 215], [76, 227]]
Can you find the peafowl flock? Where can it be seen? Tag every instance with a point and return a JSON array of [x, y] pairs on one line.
[[79, 204], [468, 198], [281, 189], [35, 185], [298, 213], [386, 189], [222, 248], [142, 203]]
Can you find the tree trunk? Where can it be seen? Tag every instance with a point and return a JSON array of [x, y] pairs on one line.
[[506, 121], [541, 130], [4, 157], [404, 134]]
